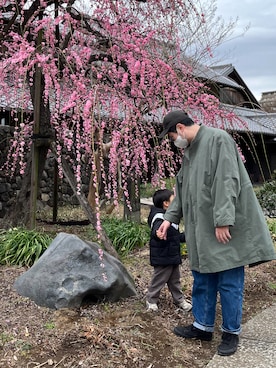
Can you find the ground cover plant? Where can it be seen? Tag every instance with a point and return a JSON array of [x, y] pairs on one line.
[[22, 247], [126, 235]]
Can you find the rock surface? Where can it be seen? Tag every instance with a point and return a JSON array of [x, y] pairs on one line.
[[72, 272]]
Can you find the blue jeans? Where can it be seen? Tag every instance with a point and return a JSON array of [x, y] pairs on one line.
[[229, 284]]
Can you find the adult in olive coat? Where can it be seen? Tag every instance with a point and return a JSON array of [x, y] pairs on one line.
[[224, 225]]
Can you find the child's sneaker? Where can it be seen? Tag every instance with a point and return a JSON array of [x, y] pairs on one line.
[[185, 306], [151, 306]]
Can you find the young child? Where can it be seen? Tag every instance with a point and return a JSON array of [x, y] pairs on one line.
[[165, 255]]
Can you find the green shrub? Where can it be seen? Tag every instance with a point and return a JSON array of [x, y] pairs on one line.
[[267, 198], [147, 189], [126, 235], [271, 223], [22, 247], [183, 250]]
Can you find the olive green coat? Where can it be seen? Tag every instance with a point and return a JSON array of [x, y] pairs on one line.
[[213, 189]]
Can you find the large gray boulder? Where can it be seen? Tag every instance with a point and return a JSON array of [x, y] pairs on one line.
[[71, 272]]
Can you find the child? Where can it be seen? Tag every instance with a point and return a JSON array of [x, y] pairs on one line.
[[165, 255]]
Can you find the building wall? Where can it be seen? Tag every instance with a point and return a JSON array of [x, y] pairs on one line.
[[260, 157], [10, 185], [268, 101]]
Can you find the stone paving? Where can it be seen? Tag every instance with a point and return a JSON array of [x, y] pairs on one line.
[[257, 347]]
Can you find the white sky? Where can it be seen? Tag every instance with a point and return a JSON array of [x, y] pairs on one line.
[[253, 54]]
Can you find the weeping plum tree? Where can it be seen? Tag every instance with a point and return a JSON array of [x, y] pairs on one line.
[[99, 75]]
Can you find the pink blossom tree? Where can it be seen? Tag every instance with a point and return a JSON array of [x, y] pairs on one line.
[[99, 76]]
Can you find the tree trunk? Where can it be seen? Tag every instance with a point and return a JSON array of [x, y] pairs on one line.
[[86, 207], [134, 197], [100, 154], [92, 189]]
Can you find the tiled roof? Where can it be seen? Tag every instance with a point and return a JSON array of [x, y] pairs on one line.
[[14, 101], [223, 69], [211, 74], [228, 70], [257, 121]]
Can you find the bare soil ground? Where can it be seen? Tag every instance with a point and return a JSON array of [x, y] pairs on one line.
[[118, 335]]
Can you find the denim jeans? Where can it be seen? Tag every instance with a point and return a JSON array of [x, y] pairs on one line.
[[229, 284]]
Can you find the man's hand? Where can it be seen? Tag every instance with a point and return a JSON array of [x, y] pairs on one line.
[[223, 234], [162, 231]]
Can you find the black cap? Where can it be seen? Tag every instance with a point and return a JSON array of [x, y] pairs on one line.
[[171, 119]]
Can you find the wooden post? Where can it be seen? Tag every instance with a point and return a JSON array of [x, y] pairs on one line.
[[35, 146], [55, 192], [55, 189]]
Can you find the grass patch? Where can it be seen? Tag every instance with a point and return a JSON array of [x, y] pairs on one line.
[[5, 338], [125, 235], [49, 325], [20, 247]]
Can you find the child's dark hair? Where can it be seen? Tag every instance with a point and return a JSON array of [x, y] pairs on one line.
[[160, 196]]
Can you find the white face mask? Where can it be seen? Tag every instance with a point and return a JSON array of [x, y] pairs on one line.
[[181, 142]]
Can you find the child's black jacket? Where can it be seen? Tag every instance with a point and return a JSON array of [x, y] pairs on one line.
[[164, 252]]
